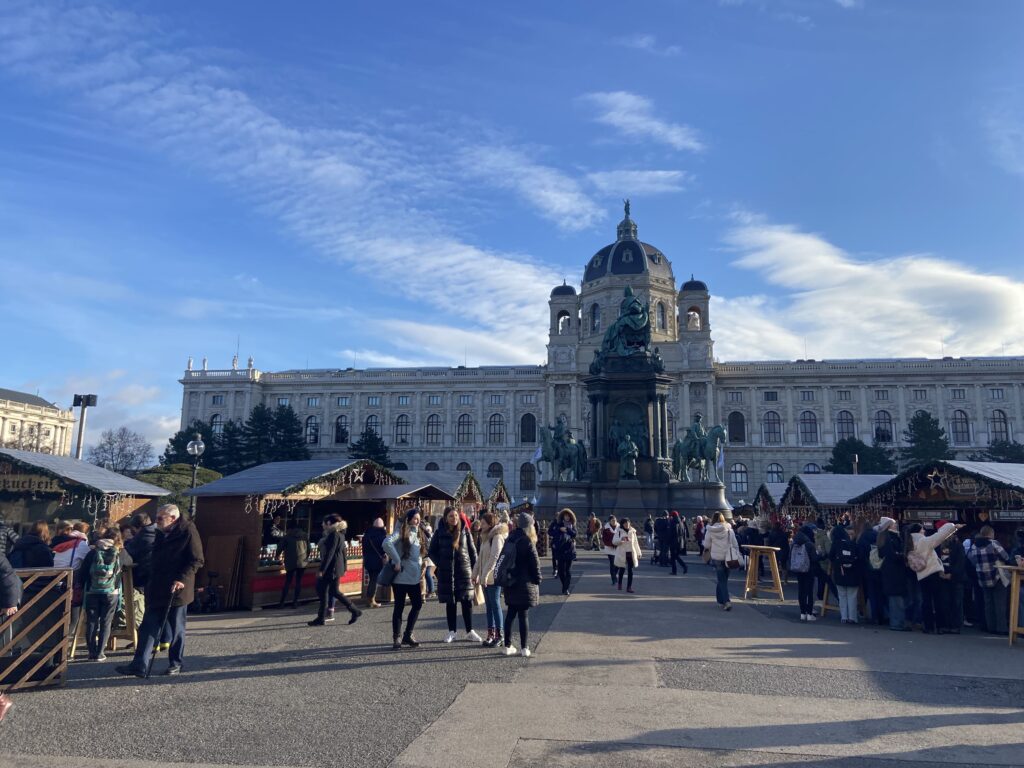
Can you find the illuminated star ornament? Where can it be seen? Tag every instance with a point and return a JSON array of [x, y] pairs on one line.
[[937, 479]]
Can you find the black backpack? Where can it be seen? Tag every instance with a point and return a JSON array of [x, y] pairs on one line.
[[505, 568], [847, 555]]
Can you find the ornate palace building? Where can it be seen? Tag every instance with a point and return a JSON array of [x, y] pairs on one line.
[[30, 423], [782, 417]]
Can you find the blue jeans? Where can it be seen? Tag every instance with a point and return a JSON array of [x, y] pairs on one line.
[[897, 612], [847, 603], [492, 606], [99, 613], [150, 632], [722, 586], [429, 576]]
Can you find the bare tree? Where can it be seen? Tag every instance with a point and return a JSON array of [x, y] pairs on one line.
[[121, 450]]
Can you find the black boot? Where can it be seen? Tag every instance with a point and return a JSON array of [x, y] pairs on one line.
[[409, 640], [396, 644]]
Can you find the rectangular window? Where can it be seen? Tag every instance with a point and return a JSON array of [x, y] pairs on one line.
[[465, 399], [996, 393], [881, 394], [528, 399], [217, 399], [958, 394], [403, 399], [771, 396], [343, 401], [497, 399], [843, 394], [806, 395], [920, 394], [283, 402], [373, 400], [434, 399], [735, 397], [312, 402]]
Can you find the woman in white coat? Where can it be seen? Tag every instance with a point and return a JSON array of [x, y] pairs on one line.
[[925, 562], [608, 545], [720, 543], [493, 534], [627, 552]]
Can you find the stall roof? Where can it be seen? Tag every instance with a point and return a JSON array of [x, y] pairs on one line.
[[1009, 476], [774, 491], [835, 490], [387, 492], [449, 482], [279, 477], [82, 472]]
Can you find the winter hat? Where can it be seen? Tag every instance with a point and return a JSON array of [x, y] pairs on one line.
[[675, 513], [378, 523], [939, 523], [411, 514], [524, 521], [884, 524]]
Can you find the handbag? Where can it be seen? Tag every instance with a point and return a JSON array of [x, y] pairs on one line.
[[706, 556], [478, 595], [386, 577]]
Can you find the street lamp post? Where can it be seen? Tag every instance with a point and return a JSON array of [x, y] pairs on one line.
[[195, 449]]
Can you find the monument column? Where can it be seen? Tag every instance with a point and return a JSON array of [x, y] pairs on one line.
[[656, 428], [601, 446], [652, 427], [664, 427]]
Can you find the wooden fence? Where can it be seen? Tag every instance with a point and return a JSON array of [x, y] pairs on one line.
[[34, 641]]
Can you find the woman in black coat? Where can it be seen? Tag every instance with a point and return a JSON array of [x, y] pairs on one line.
[[333, 565], [894, 577], [454, 555], [32, 550], [524, 591]]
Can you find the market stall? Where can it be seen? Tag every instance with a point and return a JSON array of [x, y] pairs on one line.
[[242, 519], [766, 501], [39, 486]]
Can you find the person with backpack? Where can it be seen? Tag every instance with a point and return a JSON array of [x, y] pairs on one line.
[[454, 557], [594, 532], [562, 540], [406, 548], [627, 552], [493, 534], [846, 572], [802, 558], [101, 582], [722, 551], [608, 545], [924, 562], [518, 574]]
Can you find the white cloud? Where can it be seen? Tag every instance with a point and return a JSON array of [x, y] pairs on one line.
[[554, 195], [843, 306], [850, 4], [648, 44], [639, 182], [633, 116], [1004, 126]]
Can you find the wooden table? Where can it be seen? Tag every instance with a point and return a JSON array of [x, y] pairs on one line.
[[756, 553], [1015, 572]]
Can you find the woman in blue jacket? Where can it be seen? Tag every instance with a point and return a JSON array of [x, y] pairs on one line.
[[406, 548]]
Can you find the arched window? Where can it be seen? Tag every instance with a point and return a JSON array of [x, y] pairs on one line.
[[495, 470], [528, 428], [808, 428], [312, 430], [496, 429], [563, 323], [373, 422], [961, 428], [738, 478], [845, 426], [431, 467], [998, 427], [341, 429], [400, 466], [883, 427], [217, 424], [463, 467], [662, 322], [433, 429], [403, 425], [527, 477], [693, 319], [464, 430], [775, 474], [595, 318], [772, 428], [737, 425], [812, 469]]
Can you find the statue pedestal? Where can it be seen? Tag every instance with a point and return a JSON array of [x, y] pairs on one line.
[[630, 498]]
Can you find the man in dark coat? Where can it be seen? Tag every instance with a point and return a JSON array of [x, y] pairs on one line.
[[140, 547], [373, 557], [676, 535], [333, 565], [177, 556], [661, 535]]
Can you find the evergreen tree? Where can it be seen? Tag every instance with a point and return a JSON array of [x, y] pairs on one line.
[[230, 452], [258, 436], [176, 453], [289, 442], [1002, 451], [370, 446], [926, 440], [871, 459]]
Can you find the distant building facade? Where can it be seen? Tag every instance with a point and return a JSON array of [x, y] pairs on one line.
[[782, 417], [30, 423]]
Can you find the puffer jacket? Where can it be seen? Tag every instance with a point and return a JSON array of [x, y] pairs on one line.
[[491, 544], [453, 567], [30, 551], [720, 539], [8, 538], [296, 549], [925, 547], [894, 567], [140, 547], [334, 560], [626, 543], [563, 543], [525, 589]]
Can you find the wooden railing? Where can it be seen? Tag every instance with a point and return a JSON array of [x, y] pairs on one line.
[[34, 641]]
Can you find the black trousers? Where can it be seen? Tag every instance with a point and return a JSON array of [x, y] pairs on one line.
[[620, 572], [467, 615], [295, 574], [612, 568], [415, 597], [675, 557], [326, 588], [564, 568], [933, 612], [517, 612], [805, 592]]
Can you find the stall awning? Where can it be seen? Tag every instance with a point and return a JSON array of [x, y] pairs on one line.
[[285, 477], [1008, 477], [427, 492], [821, 489], [81, 473]]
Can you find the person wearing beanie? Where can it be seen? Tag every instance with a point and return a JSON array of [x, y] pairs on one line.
[[454, 556], [894, 573], [373, 558], [523, 593], [802, 560]]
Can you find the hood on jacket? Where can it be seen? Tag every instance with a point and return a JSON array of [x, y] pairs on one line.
[[839, 533], [498, 530], [717, 531], [570, 513], [104, 544], [338, 527]]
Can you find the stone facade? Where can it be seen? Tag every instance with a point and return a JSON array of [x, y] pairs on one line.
[[783, 417], [30, 423]]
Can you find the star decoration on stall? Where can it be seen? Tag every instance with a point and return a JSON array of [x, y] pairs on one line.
[[937, 478]]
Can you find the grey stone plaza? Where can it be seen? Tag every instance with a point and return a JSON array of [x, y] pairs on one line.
[[653, 679]]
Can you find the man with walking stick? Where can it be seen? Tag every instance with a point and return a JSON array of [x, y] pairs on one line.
[[177, 556]]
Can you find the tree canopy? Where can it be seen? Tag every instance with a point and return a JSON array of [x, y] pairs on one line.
[[371, 446], [926, 441], [121, 450], [871, 459], [1003, 452]]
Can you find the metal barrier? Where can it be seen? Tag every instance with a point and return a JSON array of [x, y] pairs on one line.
[[34, 641]]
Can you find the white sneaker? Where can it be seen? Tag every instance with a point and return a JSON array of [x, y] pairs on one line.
[[803, 617], [525, 653], [473, 636], [508, 650], [449, 637], [811, 617]]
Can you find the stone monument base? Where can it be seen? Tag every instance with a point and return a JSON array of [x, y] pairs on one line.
[[630, 498]]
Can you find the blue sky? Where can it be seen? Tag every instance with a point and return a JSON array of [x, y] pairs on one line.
[[402, 183]]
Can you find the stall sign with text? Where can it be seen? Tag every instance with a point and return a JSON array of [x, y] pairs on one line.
[[29, 483], [1008, 514]]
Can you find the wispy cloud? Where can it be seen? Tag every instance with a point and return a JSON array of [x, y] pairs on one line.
[[639, 182], [1004, 126], [633, 116], [850, 4], [648, 44], [552, 193], [844, 306]]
